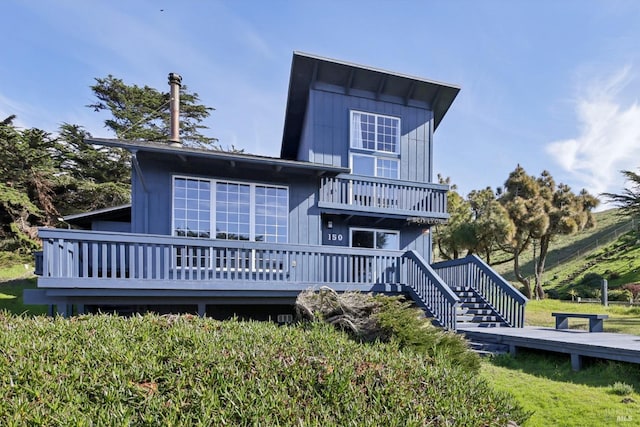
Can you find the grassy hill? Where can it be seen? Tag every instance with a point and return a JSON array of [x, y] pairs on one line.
[[610, 250]]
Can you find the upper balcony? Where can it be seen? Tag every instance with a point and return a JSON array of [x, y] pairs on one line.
[[392, 198]]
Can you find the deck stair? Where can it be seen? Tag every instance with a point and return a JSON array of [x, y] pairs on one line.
[[475, 310]]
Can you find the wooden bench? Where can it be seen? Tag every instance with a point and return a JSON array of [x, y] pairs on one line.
[[596, 321]]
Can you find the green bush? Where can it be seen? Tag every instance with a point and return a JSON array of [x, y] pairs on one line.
[[591, 281], [621, 389], [183, 370], [371, 318], [619, 295], [408, 326], [10, 259]]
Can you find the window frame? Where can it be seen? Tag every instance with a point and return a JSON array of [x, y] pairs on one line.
[[213, 203], [376, 153], [374, 231], [377, 116]]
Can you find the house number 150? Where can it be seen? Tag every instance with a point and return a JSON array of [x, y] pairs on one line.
[[335, 237]]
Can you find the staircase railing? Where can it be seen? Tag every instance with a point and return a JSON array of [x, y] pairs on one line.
[[429, 289], [471, 271]]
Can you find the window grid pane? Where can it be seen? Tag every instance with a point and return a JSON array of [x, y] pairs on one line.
[[271, 215], [192, 208], [233, 207], [387, 135], [387, 168]]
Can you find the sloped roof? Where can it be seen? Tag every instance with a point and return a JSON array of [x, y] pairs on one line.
[[307, 69], [240, 159], [115, 213]]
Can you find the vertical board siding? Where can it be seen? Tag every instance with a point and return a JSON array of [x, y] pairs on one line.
[[328, 116]]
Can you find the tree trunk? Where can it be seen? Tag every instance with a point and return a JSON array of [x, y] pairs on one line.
[[516, 269], [539, 267]]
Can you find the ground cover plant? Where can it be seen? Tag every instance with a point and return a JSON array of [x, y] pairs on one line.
[[184, 370]]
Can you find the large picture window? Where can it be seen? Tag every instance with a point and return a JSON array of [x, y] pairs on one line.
[[242, 211], [375, 145]]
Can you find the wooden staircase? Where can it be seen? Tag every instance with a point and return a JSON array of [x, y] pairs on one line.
[[474, 309]]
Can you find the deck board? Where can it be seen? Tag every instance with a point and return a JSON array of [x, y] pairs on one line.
[[577, 343]]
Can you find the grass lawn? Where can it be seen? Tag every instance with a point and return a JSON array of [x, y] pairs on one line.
[[622, 319], [545, 383], [13, 280], [557, 396]]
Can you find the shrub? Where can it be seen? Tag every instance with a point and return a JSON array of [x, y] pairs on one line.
[[382, 318], [613, 275], [634, 288], [591, 281], [619, 295], [621, 389], [10, 259], [407, 324]]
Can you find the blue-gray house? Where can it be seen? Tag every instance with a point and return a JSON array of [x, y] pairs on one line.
[[348, 204]]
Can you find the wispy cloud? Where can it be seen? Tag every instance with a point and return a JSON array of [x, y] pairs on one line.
[[609, 135]]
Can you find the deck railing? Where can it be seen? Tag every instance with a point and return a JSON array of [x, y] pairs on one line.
[[154, 261], [430, 290], [501, 295], [95, 259], [384, 196]]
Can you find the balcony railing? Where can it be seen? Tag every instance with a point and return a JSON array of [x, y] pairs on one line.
[[378, 195]]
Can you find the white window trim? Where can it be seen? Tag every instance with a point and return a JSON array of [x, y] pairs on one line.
[[376, 115], [374, 230]]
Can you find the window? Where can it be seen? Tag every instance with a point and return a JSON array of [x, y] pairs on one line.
[[375, 239], [375, 145], [375, 132], [242, 211], [192, 207], [272, 212], [233, 211]]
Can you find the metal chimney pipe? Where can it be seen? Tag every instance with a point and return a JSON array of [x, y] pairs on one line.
[[175, 81]]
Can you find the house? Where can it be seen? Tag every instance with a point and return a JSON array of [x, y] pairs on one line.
[[348, 204]]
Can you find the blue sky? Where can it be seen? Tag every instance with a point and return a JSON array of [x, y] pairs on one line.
[[545, 84]]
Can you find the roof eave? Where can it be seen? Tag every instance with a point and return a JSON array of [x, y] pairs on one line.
[[182, 151]]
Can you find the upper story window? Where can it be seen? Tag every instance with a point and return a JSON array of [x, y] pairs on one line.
[[230, 210], [375, 132], [375, 145]]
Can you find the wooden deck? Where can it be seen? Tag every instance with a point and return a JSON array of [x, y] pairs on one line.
[[577, 343]]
